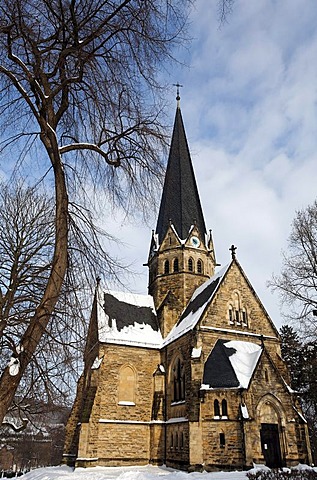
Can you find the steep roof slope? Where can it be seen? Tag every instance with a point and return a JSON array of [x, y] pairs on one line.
[[197, 306], [128, 319], [180, 203], [231, 364]]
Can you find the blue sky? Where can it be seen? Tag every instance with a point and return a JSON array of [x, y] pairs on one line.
[[249, 104]]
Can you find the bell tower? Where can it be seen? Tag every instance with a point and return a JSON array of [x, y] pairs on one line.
[[181, 252]]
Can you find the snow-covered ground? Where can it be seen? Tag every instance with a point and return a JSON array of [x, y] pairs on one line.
[[137, 473], [125, 473]]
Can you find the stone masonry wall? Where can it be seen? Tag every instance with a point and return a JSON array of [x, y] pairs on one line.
[[119, 431]]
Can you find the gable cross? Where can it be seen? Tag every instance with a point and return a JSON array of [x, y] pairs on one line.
[[233, 251]]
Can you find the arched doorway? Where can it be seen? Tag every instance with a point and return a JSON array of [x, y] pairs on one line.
[[270, 419], [270, 443]]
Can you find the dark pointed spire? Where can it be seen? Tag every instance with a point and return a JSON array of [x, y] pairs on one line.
[[180, 204]]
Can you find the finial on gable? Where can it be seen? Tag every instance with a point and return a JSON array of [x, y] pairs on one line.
[[233, 251], [178, 85]]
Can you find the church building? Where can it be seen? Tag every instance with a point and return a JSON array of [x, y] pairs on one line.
[[190, 375]]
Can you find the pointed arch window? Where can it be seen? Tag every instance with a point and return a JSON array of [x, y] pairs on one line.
[[127, 386], [175, 265], [200, 266], [231, 318], [178, 381], [220, 409], [266, 375], [166, 266], [224, 408], [190, 265], [237, 311]]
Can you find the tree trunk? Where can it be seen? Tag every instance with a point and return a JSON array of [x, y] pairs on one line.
[[38, 323]]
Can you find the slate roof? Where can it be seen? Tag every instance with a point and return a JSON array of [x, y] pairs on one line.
[[180, 203], [128, 319], [201, 298], [231, 364]]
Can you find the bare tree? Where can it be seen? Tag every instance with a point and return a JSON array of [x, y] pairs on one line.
[[297, 282], [79, 79], [224, 10], [26, 247]]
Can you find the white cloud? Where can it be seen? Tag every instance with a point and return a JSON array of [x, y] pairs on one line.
[[249, 105]]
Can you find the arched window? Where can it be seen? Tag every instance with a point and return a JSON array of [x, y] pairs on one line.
[[224, 408], [216, 408], [166, 266], [178, 381], [222, 439], [266, 375], [231, 319], [200, 266], [244, 317], [190, 265], [127, 386], [175, 265]]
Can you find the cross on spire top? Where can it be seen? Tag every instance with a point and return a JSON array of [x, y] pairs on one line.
[[177, 85]]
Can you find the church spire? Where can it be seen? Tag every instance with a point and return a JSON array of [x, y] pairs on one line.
[[181, 255], [180, 204]]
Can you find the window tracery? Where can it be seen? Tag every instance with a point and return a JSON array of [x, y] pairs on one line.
[[220, 413], [237, 312]]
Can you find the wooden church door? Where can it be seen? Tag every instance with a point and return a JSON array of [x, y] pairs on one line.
[[270, 443]]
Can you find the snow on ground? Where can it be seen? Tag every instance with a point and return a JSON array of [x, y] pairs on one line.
[[138, 473], [126, 473]]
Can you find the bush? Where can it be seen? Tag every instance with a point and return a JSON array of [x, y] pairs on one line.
[[294, 474]]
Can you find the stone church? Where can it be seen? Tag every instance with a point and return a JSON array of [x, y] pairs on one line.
[[190, 375]]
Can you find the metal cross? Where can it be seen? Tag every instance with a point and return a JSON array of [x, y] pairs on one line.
[[233, 251], [177, 85]]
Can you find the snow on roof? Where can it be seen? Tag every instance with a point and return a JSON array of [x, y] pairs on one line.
[[300, 415], [196, 307], [244, 411], [244, 360], [128, 319], [196, 352], [231, 364], [96, 364]]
